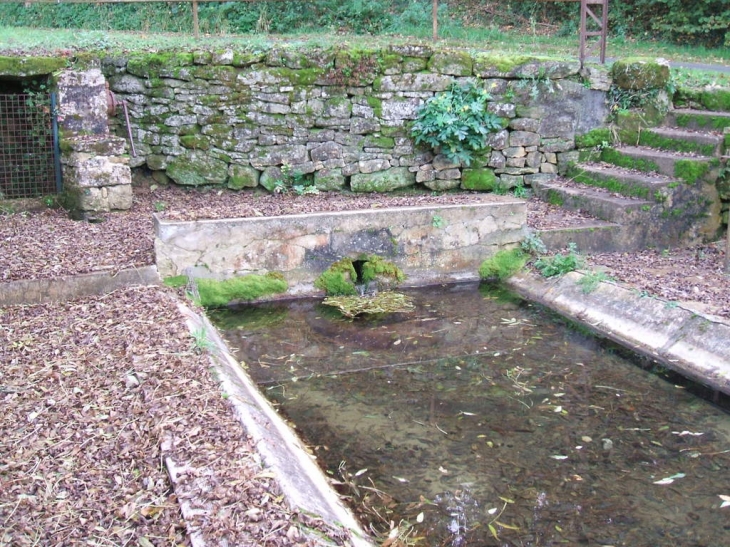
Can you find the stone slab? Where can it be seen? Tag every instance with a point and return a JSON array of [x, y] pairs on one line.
[[433, 244], [303, 484], [694, 345], [38, 291]]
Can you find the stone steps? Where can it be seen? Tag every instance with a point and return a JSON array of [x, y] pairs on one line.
[[597, 202], [626, 182], [670, 164], [660, 192]]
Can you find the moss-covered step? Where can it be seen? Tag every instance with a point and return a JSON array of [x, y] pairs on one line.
[[682, 140], [624, 181], [685, 167], [701, 120], [594, 201]]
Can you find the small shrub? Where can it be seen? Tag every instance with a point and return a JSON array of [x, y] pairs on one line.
[[590, 281], [503, 264], [532, 244], [456, 122], [560, 264]]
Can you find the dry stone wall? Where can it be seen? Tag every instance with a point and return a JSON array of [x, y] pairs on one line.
[[342, 117]]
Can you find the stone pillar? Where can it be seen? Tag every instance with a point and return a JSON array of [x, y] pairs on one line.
[[95, 167]]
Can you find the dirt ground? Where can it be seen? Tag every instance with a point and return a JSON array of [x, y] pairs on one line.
[[93, 389]]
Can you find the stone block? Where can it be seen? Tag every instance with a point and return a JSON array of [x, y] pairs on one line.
[[372, 166], [242, 176], [483, 180], [441, 162], [442, 185], [326, 151], [454, 63], [382, 181], [195, 168], [279, 155], [329, 180], [524, 138]]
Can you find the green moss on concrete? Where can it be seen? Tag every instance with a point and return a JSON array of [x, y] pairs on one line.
[[503, 63], [653, 140], [595, 137], [341, 277], [175, 281], [456, 63], [502, 265], [483, 180], [376, 104], [699, 121], [611, 184], [25, 67], [215, 294], [379, 142], [613, 156], [716, 99], [690, 171], [151, 64], [639, 73], [195, 142]]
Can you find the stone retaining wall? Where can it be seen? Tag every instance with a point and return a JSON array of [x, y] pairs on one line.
[[342, 117]]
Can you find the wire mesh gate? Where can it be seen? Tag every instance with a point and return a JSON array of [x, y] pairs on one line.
[[29, 161]]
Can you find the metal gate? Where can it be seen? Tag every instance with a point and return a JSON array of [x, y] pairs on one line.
[[29, 156]]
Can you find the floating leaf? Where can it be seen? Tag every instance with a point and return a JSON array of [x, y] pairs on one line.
[[670, 480], [361, 472], [493, 530], [725, 501], [559, 457], [508, 526], [420, 517], [492, 510], [685, 433]]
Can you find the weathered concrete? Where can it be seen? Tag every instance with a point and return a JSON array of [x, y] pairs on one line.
[[680, 339], [303, 484], [38, 291], [435, 244]]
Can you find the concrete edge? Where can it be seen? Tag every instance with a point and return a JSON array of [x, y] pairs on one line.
[[692, 344], [303, 484], [59, 289]]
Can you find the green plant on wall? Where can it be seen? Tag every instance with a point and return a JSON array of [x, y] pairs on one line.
[[343, 277], [456, 122]]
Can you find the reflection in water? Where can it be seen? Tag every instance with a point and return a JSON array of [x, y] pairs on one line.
[[491, 424]]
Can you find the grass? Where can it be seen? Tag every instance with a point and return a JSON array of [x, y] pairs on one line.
[[16, 40]]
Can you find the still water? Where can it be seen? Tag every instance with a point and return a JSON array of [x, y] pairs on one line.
[[479, 420]]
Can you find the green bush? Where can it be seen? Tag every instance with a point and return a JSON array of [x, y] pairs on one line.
[[456, 122], [503, 264]]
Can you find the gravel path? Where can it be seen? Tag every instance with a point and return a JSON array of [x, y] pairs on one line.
[[91, 388]]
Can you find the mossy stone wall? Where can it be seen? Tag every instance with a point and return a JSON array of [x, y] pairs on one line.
[[234, 119]]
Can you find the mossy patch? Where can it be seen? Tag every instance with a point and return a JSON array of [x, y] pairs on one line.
[[613, 156], [638, 73], [175, 281], [343, 276], [25, 67], [503, 264], [503, 64], [700, 121], [690, 171], [611, 184], [483, 180], [654, 140], [151, 64], [215, 294], [595, 137]]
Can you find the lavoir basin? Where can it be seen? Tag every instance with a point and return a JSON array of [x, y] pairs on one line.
[[480, 419]]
